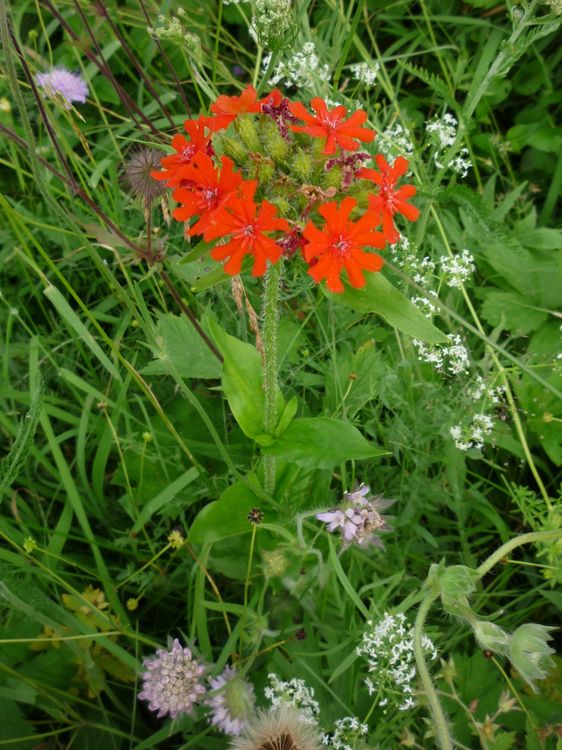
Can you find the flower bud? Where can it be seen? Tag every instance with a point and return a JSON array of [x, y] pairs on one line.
[[248, 132], [274, 563], [265, 171], [491, 637], [274, 144], [457, 583], [234, 150], [333, 178], [529, 652], [302, 165]]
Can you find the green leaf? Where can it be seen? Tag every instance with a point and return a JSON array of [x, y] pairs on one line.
[[13, 463], [321, 443], [242, 381], [381, 297], [287, 416], [225, 517], [178, 348], [163, 498], [511, 311]]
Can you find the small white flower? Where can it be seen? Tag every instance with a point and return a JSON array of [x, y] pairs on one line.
[[294, 693], [457, 269], [389, 649], [365, 73]]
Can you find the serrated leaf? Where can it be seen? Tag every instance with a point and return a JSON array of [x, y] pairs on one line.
[[321, 443], [381, 297], [178, 348], [435, 83]]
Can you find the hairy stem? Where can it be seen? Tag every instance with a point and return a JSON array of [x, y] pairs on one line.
[[270, 385], [442, 734]]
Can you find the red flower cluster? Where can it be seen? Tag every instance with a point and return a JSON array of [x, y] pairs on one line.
[[228, 204]]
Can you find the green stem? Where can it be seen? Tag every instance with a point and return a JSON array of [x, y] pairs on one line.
[[444, 739], [505, 549], [270, 385], [442, 735]]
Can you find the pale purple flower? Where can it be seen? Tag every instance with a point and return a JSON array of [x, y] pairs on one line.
[[231, 702], [171, 683], [358, 518], [71, 86]]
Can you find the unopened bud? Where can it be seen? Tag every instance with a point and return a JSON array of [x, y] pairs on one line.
[[247, 131], [530, 653], [491, 636]]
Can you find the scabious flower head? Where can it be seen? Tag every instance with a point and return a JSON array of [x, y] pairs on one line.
[[388, 647], [60, 81], [138, 169], [282, 728], [171, 683], [295, 693], [231, 702], [359, 517]]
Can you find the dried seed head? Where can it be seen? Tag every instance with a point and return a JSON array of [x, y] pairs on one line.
[[138, 166]]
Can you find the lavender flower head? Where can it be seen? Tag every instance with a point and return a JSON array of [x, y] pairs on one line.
[[232, 702], [171, 683], [358, 518], [70, 86]]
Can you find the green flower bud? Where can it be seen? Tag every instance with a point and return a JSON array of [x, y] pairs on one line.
[[274, 145], [302, 165], [491, 637], [274, 563], [246, 129], [266, 170], [457, 583], [333, 178], [529, 652], [234, 150]]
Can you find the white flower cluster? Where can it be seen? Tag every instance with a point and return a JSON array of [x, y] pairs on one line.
[[457, 269], [443, 132], [429, 305], [452, 357], [346, 733], [389, 649], [472, 435], [273, 22], [395, 141], [480, 389], [293, 693], [303, 70], [365, 73], [472, 431]]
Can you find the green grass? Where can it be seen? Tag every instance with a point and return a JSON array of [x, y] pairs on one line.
[[116, 431]]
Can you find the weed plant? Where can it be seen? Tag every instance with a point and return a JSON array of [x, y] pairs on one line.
[[281, 515]]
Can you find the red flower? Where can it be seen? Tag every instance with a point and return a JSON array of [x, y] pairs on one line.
[[332, 126], [185, 150], [339, 245], [389, 201], [227, 108], [209, 189], [246, 223]]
